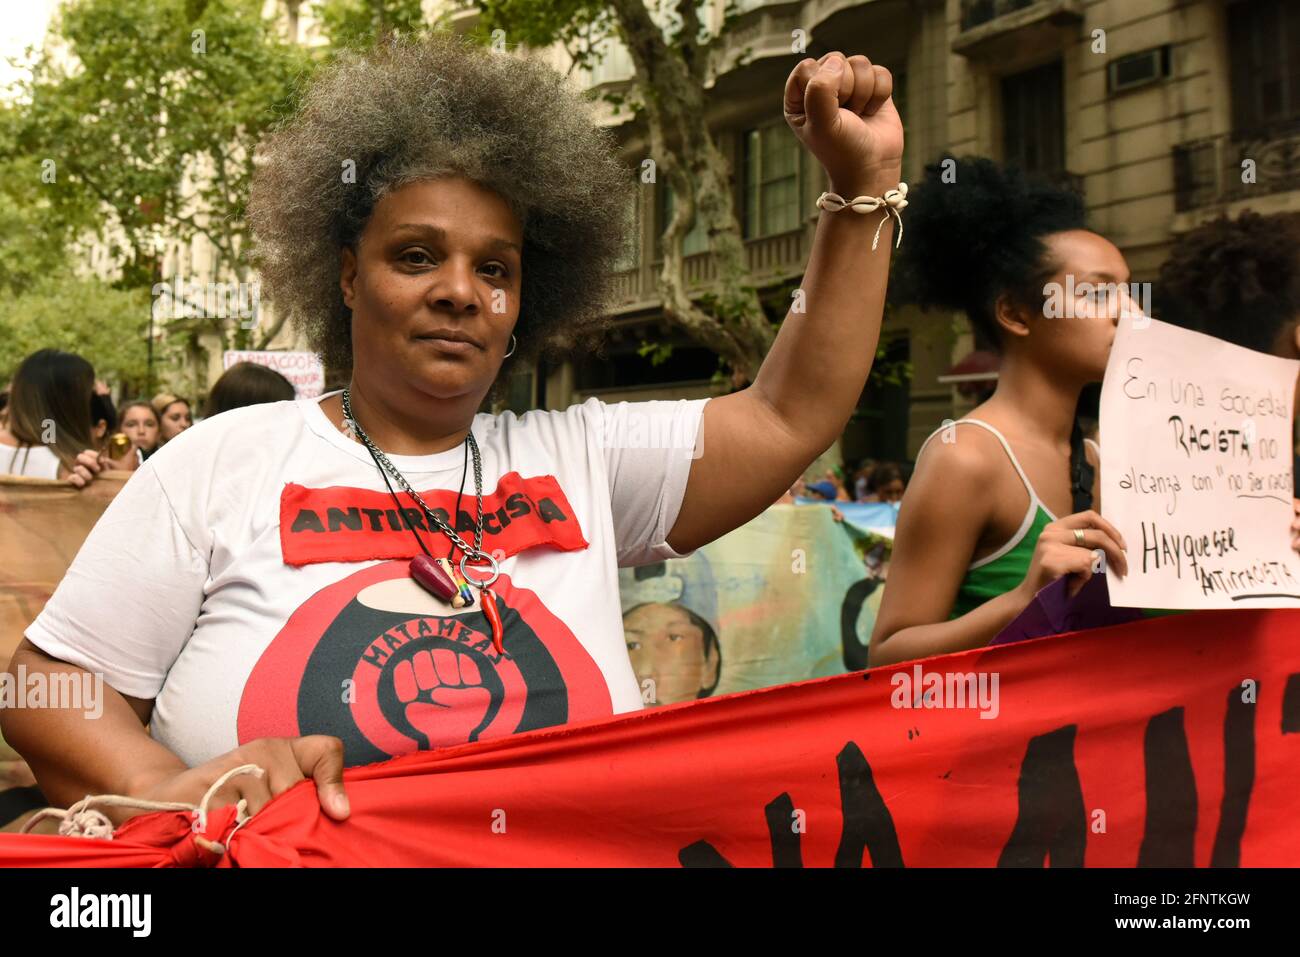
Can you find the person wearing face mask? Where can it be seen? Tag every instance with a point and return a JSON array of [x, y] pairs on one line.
[[1002, 502], [387, 568], [173, 416]]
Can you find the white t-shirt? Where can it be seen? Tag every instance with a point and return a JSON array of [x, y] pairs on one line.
[[253, 578], [33, 461]]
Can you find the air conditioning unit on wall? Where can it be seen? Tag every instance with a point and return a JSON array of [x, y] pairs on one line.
[[1138, 69]]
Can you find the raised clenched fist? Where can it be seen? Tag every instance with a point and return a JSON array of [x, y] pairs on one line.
[[444, 695], [841, 108]]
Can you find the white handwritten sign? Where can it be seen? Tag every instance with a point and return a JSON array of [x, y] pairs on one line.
[[303, 369], [1196, 470]]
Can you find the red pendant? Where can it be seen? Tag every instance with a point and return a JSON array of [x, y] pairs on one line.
[[494, 619], [426, 571]]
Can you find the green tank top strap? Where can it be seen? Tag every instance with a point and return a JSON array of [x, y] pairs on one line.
[[1002, 573]]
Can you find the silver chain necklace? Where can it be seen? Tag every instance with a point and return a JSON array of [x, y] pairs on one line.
[[474, 553]]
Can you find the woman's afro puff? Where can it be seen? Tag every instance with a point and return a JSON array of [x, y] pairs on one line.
[[413, 110], [975, 231]]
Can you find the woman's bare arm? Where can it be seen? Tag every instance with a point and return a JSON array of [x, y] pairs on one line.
[[73, 754], [943, 515], [117, 756], [759, 440]]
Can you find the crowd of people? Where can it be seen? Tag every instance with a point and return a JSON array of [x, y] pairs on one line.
[[57, 421], [871, 481]]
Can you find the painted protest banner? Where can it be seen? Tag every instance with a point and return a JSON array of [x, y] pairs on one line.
[[1164, 743], [303, 369], [1196, 470], [873, 518], [783, 598]]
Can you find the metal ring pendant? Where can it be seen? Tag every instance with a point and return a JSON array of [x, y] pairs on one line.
[[496, 570]]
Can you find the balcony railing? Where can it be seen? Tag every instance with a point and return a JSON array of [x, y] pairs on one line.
[[975, 12], [1216, 169], [627, 285], [768, 258], [998, 30]]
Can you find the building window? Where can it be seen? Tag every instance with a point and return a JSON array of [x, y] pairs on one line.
[[1033, 120], [976, 12], [772, 181], [1264, 54], [696, 239]]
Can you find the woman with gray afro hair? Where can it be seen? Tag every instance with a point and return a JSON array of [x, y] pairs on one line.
[[413, 112], [383, 569]]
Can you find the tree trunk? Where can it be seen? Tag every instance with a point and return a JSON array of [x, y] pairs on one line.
[[684, 151]]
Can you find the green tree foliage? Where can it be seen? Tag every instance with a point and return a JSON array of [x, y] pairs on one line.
[[33, 236], [85, 316], [148, 113], [359, 23]]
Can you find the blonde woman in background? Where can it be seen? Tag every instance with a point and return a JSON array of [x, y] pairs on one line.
[[174, 416]]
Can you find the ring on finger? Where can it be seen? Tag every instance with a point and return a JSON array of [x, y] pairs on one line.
[[1078, 537]]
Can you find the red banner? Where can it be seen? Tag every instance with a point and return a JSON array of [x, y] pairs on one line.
[[1170, 742], [340, 524]]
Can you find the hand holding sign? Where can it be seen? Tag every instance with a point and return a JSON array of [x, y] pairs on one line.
[[1068, 546], [1197, 470]]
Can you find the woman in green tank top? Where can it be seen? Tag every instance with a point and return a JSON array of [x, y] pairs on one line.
[[1001, 502]]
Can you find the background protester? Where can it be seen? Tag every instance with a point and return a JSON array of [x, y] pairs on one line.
[[825, 490], [247, 383], [887, 483], [173, 416], [103, 417], [140, 424], [48, 431], [829, 487], [862, 481], [1239, 280], [413, 277], [999, 507]]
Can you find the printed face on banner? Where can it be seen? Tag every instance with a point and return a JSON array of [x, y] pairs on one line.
[[1197, 470]]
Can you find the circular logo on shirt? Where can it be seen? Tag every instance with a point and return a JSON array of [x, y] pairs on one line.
[[380, 663]]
